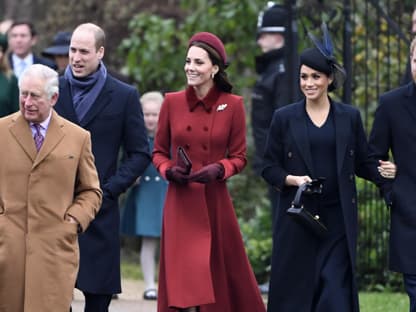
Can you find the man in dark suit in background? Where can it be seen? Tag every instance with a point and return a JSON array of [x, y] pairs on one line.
[[110, 110], [22, 37], [394, 132]]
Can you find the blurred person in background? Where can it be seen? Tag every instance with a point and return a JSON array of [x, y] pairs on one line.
[[270, 90], [143, 210], [5, 25], [58, 50], [22, 38], [9, 90]]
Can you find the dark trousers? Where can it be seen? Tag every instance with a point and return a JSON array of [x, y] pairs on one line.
[[96, 302], [410, 286]]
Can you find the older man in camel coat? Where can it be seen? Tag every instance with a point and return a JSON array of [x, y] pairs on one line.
[[49, 192]]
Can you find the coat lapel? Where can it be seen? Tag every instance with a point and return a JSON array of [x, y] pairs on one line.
[[103, 99], [65, 103], [300, 134], [54, 135], [410, 103], [342, 132], [21, 132]]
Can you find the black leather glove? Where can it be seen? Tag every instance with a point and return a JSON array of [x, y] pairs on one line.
[[177, 174], [207, 173]]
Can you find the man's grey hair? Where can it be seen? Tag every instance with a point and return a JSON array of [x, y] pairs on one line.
[[45, 73]]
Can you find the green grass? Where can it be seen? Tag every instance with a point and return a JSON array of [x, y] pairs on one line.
[[131, 270], [383, 302]]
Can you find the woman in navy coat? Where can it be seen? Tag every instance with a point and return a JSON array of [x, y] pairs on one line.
[[316, 137]]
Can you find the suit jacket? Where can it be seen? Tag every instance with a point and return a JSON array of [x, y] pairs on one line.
[[38, 249], [37, 60], [115, 121], [288, 152], [393, 130]]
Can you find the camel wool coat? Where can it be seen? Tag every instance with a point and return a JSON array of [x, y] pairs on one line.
[[38, 248]]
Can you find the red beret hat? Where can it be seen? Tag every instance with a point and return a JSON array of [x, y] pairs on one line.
[[213, 41]]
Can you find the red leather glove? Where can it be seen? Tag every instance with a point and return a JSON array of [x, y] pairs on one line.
[[177, 174], [207, 173]]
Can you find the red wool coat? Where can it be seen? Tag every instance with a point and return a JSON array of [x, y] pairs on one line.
[[203, 261]]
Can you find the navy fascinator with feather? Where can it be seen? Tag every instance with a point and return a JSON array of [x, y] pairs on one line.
[[321, 58]]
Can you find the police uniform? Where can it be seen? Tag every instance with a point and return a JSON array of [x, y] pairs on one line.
[[271, 88]]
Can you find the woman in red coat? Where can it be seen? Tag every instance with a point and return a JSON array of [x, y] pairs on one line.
[[203, 264]]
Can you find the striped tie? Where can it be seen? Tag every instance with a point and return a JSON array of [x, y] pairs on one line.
[[38, 137]]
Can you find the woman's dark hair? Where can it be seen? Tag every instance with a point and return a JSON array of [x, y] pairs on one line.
[[220, 79]]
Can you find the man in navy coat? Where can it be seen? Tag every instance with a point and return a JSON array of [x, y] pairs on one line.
[[110, 110], [394, 131]]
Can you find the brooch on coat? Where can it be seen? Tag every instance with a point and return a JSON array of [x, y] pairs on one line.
[[221, 107]]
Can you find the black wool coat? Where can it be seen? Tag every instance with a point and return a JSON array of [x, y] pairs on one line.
[[294, 247], [115, 121], [394, 130]]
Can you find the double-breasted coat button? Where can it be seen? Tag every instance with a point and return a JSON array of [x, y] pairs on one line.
[[204, 147], [351, 177], [147, 178], [205, 128], [157, 178], [353, 200], [189, 128], [352, 152], [289, 154], [187, 146]]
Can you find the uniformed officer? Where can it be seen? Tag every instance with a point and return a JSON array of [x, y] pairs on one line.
[[270, 91]]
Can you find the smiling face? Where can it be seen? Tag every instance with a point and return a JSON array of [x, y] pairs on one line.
[[199, 68], [84, 56], [314, 84], [35, 104]]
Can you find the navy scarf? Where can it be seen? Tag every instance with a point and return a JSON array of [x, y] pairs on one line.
[[85, 90]]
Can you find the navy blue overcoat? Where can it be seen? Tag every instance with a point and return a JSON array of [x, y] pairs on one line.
[[394, 130], [115, 122], [294, 247]]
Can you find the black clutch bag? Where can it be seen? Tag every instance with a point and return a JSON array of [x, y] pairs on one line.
[[182, 160], [302, 215]]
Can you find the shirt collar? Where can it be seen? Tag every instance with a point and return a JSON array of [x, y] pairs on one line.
[[44, 124], [28, 59], [207, 102]]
